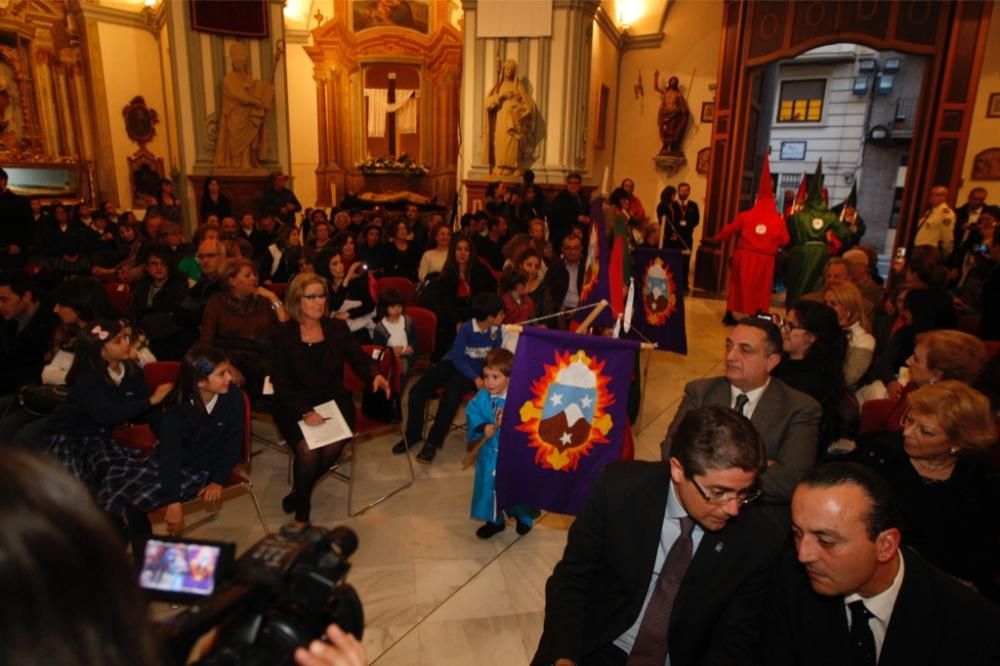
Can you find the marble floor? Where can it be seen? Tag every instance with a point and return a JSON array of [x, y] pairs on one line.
[[433, 592]]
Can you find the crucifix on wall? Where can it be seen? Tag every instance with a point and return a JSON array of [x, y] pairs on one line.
[[391, 111]]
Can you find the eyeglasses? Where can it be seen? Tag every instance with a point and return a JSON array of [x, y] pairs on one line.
[[788, 326], [313, 297], [726, 497], [208, 255]]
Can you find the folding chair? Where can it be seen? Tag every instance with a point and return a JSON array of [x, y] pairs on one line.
[[239, 478], [366, 428], [141, 436], [425, 324], [404, 286], [120, 296]]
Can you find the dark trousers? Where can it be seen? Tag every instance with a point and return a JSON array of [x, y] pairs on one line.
[[455, 384]]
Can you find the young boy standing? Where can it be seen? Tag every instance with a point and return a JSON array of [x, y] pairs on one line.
[[483, 415], [457, 373]]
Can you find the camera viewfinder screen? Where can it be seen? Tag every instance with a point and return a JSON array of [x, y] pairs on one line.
[[185, 568]]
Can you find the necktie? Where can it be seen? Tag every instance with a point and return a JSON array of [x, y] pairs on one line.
[[862, 640], [741, 403], [650, 646]]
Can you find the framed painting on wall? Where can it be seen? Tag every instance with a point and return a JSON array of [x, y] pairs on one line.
[[707, 112], [793, 150], [993, 108], [409, 14]]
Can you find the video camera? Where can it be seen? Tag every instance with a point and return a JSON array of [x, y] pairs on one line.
[[280, 595]]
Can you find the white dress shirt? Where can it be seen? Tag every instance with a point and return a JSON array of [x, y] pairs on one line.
[[880, 606], [753, 397], [669, 533]]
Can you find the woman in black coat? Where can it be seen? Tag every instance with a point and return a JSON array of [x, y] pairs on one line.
[[309, 352]]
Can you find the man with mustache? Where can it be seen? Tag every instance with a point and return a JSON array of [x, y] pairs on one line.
[[787, 420], [857, 597]]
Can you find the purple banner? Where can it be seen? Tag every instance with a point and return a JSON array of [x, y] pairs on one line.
[[565, 417], [658, 313], [595, 266]]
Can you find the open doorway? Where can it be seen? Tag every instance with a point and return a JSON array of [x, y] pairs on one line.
[[854, 107]]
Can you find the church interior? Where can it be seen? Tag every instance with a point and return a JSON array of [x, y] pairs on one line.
[[383, 103]]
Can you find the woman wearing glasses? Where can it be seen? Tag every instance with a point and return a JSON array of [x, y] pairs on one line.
[[946, 491], [814, 348], [308, 370]]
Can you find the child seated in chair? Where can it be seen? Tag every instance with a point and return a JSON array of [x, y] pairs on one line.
[[483, 415], [395, 329], [457, 373], [201, 436]]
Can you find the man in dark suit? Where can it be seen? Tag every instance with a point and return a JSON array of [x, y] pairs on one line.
[[966, 226], [686, 222], [787, 420], [563, 281], [664, 559], [569, 208], [856, 597]]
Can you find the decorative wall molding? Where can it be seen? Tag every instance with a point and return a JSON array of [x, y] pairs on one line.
[[649, 41], [144, 19], [297, 35]]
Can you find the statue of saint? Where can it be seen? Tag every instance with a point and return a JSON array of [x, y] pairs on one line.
[[672, 119], [507, 124], [242, 138]]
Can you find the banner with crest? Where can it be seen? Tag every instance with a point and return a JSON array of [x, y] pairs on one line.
[[565, 417], [659, 304]]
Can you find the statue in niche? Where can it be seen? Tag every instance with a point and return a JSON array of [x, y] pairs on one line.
[[507, 125], [242, 136], [672, 120]]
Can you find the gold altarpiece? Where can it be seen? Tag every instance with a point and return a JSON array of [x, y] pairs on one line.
[[47, 136], [340, 56]]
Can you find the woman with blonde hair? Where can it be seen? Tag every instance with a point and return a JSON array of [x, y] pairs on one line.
[[307, 369], [847, 302], [947, 496]]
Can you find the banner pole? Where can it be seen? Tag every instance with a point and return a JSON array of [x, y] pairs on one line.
[[585, 324], [645, 378]]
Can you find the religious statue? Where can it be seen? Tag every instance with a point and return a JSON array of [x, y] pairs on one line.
[[672, 119], [242, 138], [507, 124]]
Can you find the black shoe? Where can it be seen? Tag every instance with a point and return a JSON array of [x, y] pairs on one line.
[[523, 528], [426, 455], [489, 529], [399, 448], [288, 504], [729, 319]]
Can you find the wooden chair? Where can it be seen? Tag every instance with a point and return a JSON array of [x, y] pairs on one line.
[[404, 286]]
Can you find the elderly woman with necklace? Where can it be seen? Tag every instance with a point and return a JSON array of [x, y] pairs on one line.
[[948, 498]]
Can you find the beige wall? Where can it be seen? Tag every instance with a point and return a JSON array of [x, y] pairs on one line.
[[693, 32], [303, 129], [131, 62], [985, 132], [603, 70]]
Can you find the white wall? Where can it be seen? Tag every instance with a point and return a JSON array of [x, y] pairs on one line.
[[303, 126]]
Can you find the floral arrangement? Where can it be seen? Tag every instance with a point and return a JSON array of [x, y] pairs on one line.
[[402, 164]]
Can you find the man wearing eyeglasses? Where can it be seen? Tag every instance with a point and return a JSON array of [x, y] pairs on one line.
[[787, 420], [210, 256], [666, 563]]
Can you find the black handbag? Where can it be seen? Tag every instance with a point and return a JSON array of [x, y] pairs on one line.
[[41, 399], [375, 405]]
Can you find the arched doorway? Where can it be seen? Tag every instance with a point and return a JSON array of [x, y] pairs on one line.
[[951, 34]]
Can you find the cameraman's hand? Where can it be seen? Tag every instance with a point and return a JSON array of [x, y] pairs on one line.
[[343, 650], [174, 517]]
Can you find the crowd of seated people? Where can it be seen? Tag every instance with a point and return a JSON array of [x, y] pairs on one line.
[[286, 293]]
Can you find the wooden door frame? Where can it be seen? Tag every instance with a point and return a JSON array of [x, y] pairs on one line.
[[954, 62]]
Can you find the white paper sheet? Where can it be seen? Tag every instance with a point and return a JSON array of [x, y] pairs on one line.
[[332, 430]]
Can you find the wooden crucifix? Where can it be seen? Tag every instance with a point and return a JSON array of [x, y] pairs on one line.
[[390, 125]]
